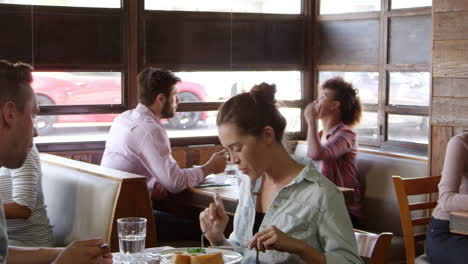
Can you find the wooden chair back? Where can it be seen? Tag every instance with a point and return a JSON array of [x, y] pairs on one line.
[[85, 200], [373, 248], [414, 186]]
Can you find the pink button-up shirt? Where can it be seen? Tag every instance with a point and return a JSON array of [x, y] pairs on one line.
[[338, 155], [138, 143]]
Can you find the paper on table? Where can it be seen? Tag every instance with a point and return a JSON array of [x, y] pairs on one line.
[[214, 181]]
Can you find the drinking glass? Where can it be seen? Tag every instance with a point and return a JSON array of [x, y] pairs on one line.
[[132, 234]]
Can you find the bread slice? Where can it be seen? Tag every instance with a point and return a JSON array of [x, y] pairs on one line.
[[213, 258], [180, 258]]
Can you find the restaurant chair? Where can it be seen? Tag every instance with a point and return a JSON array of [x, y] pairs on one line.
[[373, 248], [408, 187], [85, 200]]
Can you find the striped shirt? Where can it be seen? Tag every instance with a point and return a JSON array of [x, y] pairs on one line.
[[24, 186], [338, 153]]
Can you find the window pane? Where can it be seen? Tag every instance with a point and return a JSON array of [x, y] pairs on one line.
[[409, 88], [201, 124], [73, 128], [242, 6], [409, 4], [408, 128], [77, 88], [366, 82], [75, 3], [293, 118], [219, 86], [368, 127], [192, 124], [346, 6]]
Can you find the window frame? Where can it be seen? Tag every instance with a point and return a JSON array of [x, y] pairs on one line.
[[132, 56], [383, 68]]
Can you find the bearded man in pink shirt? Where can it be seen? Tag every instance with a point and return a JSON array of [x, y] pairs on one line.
[[138, 143]]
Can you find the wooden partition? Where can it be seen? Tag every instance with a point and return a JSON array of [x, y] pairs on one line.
[[450, 77], [186, 157]]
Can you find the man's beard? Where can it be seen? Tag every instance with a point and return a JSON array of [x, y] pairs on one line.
[[168, 111]]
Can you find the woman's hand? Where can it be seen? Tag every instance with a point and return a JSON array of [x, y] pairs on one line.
[[273, 238], [311, 112], [213, 220]]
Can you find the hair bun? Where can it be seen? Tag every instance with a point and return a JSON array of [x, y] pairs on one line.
[[264, 92]]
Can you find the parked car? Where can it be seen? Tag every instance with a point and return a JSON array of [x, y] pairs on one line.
[[59, 88]]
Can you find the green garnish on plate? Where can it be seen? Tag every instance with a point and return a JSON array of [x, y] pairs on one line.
[[196, 250]]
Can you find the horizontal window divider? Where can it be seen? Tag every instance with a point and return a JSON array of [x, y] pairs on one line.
[[395, 153], [402, 146], [349, 68], [409, 12], [415, 68], [407, 110], [214, 106], [370, 107], [229, 67], [202, 15], [59, 10], [349, 16], [292, 104], [81, 109], [368, 142], [80, 67], [71, 146], [197, 106]]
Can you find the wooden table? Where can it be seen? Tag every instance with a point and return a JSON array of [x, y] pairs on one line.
[[201, 197]]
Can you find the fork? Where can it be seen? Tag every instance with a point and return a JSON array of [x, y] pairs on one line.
[[257, 260], [202, 240]]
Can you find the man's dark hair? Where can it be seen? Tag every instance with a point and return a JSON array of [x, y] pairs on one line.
[[152, 82], [15, 80]]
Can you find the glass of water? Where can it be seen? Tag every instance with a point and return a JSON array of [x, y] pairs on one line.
[[132, 235]]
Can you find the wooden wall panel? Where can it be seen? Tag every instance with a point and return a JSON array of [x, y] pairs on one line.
[[449, 5], [450, 26], [179, 156], [449, 111], [450, 87], [459, 130], [349, 42], [440, 137], [450, 58], [450, 76]]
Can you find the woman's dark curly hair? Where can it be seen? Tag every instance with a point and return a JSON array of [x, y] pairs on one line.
[[347, 95]]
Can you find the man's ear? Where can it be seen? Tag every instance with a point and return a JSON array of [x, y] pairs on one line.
[[8, 113], [160, 99], [268, 134]]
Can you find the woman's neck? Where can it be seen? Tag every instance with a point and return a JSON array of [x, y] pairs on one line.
[[283, 168], [329, 122]]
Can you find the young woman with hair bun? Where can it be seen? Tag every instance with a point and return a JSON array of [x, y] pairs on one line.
[[339, 108], [287, 211]]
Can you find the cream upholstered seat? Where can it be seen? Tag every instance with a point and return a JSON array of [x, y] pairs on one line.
[[84, 200]]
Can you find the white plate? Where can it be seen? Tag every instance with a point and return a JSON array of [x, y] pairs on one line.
[[229, 257]]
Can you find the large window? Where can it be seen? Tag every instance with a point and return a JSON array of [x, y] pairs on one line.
[[242, 6], [387, 56], [87, 54]]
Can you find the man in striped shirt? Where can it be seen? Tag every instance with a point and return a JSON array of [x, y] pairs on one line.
[[23, 204], [17, 110]]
